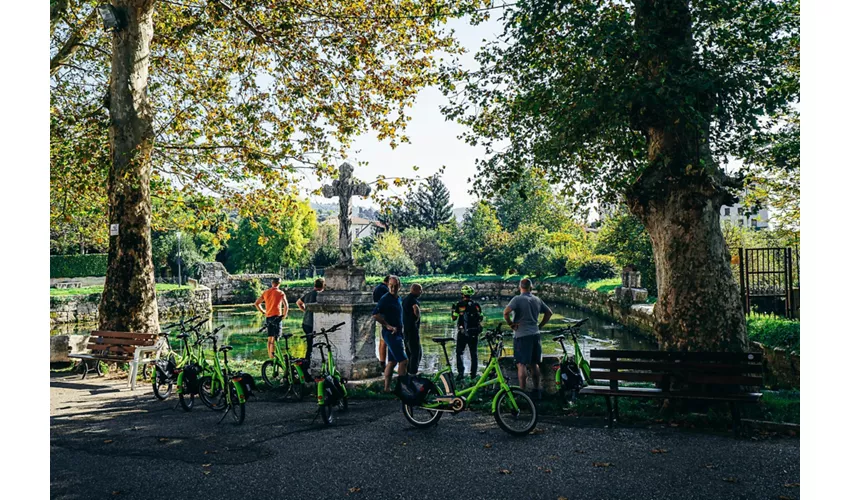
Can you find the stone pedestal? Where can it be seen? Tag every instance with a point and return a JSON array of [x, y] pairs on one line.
[[345, 301], [628, 296]]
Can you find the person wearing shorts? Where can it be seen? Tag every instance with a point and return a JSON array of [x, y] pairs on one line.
[[528, 351], [276, 308], [387, 313]]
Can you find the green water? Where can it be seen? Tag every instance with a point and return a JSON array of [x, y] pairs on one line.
[[242, 323]]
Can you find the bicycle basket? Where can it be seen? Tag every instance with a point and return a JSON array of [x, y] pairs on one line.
[[570, 375], [412, 390], [247, 382]]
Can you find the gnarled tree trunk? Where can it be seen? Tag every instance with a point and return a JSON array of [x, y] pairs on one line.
[[129, 297], [678, 196]]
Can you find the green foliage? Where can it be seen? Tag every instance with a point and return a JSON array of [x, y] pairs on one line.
[[774, 331], [424, 247], [77, 266], [324, 246], [597, 267], [261, 245], [624, 237], [540, 261], [165, 253], [387, 256], [248, 291], [529, 199], [91, 290], [429, 206], [472, 242]]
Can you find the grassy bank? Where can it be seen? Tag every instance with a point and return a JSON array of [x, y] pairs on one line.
[[65, 292], [774, 331]]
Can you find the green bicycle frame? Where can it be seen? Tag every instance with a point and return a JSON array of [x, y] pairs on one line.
[[218, 380], [328, 368], [283, 359]]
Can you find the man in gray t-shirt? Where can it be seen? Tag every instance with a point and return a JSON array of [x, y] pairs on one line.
[[528, 351]]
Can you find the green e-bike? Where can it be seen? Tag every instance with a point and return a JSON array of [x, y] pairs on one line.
[[330, 386], [285, 372], [573, 372]]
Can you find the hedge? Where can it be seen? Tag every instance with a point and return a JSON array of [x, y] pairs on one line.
[[77, 266]]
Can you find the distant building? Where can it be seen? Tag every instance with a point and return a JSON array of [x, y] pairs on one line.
[[362, 228], [736, 215]]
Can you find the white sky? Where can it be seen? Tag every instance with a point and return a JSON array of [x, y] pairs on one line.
[[433, 140]]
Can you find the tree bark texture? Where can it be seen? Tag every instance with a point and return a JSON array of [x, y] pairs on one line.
[[128, 302], [678, 197]]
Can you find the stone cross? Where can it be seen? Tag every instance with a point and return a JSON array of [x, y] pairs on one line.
[[345, 187]]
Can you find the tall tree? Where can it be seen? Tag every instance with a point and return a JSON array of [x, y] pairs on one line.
[[530, 199], [638, 99], [429, 205], [228, 97]]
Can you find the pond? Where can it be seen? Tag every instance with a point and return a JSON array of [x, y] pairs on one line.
[[242, 323]]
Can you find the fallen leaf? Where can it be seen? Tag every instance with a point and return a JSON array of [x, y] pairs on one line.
[[116, 492], [206, 465], [710, 466], [107, 441], [163, 440], [580, 451], [537, 431], [602, 464], [792, 485], [354, 490], [547, 471], [674, 424], [659, 450], [730, 479], [783, 497], [553, 457], [504, 471], [563, 498], [206, 472], [488, 445], [404, 444]]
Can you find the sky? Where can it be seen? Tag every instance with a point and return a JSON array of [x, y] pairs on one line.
[[433, 140]]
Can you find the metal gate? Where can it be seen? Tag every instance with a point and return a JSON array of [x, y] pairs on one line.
[[769, 279]]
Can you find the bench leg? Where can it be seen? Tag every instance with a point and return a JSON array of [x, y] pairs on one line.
[[736, 419], [610, 411], [134, 367], [85, 368], [617, 409]]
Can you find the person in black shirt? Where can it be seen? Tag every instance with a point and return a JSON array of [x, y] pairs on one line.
[[377, 293], [411, 315], [307, 322], [387, 312], [468, 315]]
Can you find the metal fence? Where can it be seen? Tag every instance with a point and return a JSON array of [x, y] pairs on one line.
[[299, 273], [769, 279]]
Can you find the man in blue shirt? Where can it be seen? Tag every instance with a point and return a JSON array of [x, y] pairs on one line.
[[388, 314], [377, 293]]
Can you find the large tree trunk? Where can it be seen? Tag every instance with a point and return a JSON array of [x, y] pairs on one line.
[[678, 196], [129, 297]]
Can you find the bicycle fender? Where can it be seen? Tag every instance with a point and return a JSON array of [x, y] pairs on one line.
[[496, 397], [240, 392], [320, 392], [180, 383]]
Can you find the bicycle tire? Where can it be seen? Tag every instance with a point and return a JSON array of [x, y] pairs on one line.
[[187, 401], [160, 393], [273, 375], [298, 390], [215, 402], [327, 412], [506, 417], [433, 418]]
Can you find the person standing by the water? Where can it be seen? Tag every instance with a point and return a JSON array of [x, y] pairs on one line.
[[411, 315], [307, 322], [468, 315], [277, 308], [528, 352], [377, 293], [388, 313]]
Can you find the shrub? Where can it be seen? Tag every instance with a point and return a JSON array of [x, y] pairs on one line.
[[539, 262], [77, 266], [597, 267], [774, 332], [248, 291]]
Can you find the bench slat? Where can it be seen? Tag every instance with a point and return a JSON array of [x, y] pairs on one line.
[[696, 378], [647, 392], [627, 376], [750, 357], [111, 341], [111, 348], [123, 335], [718, 368]]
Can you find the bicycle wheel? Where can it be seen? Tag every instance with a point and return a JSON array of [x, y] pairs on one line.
[[422, 418], [327, 412], [162, 386], [518, 420], [237, 409], [274, 376], [187, 401], [298, 390], [146, 371], [214, 400]]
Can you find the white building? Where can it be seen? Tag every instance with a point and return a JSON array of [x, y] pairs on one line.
[[362, 228], [737, 215]]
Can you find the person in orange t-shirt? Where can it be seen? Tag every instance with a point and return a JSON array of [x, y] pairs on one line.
[[277, 308]]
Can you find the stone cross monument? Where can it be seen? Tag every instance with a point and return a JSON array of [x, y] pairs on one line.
[[346, 299], [345, 187]]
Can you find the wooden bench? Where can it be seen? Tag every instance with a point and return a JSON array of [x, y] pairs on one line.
[[713, 376], [120, 347]]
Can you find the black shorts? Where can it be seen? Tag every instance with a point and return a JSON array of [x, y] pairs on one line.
[[273, 326], [528, 350]]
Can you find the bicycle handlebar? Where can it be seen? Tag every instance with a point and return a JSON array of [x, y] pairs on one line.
[[324, 331]]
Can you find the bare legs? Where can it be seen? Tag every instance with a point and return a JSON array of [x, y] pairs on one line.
[[522, 373], [388, 372], [270, 347], [382, 351]]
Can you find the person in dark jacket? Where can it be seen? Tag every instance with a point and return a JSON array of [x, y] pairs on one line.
[[411, 315], [468, 315], [387, 312], [379, 291]]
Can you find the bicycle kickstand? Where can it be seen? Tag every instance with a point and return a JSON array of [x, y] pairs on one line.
[[226, 411]]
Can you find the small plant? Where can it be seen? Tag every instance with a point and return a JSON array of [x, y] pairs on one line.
[[597, 267]]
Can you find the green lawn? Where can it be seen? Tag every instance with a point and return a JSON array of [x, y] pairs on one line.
[[65, 292]]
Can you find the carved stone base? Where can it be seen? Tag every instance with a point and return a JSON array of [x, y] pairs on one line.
[[628, 296]]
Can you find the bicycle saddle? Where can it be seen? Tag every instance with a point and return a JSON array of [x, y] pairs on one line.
[[558, 338], [286, 335], [442, 340], [225, 348], [183, 336]]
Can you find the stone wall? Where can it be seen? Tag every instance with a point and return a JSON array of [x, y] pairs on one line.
[[229, 288], [74, 309]]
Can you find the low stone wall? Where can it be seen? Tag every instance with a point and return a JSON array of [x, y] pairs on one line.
[[782, 367], [74, 309]]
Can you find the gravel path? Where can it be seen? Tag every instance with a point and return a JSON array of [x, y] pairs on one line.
[[108, 442]]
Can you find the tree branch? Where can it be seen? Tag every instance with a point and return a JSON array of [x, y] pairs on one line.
[[74, 42]]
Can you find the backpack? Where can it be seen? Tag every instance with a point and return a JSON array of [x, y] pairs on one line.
[[472, 318], [192, 378], [413, 389]]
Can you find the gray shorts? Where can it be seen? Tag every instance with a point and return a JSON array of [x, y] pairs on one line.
[[528, 350]]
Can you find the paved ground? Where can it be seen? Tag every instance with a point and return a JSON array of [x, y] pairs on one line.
[[106, 442]]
